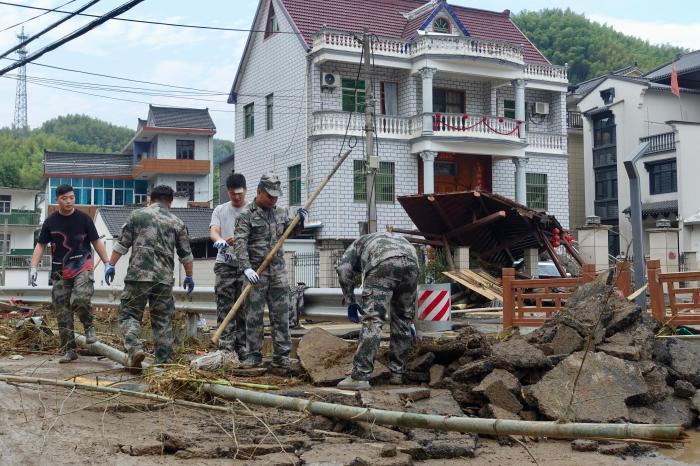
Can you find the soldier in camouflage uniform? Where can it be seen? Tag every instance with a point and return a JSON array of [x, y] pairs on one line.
[[152, 233], [258, 228], [389, 267], [229, 276]]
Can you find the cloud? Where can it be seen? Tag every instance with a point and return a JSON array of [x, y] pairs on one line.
[[656, 32]]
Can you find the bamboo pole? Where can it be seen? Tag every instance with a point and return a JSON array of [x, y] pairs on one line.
[[246, 291], [425, 421], [447, 423]]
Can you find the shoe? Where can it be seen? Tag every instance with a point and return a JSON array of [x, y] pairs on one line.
[[135, 360], [90, 335], [396, 379], [250, 364], [348, 383], [70, 356], [282, 369]]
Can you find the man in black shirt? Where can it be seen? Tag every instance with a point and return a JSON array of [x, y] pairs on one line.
[[70, 233]]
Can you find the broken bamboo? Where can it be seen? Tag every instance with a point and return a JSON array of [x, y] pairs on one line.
[[246, 291], [432, 421]]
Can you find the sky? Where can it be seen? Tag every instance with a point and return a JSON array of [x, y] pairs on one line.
[[208, 60]]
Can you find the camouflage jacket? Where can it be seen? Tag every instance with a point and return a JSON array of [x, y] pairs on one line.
[[257, 230], [153, 233], [365, 253]]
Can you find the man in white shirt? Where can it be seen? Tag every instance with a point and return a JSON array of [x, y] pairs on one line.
[[229, 277]]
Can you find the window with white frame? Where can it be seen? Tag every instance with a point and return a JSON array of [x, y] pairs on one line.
[[249, 119], [5, 243], [5, 201], [185, 187], [184, 149], [536, 189]]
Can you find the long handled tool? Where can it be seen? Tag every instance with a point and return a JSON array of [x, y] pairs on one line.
[[246, 291]]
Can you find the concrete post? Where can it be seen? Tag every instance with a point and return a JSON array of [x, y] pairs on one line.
[[289, 263], [326, 270], [593, 245], [461, 258], [427, 77], [520, 179], [519, 86], [531, 258], [428, 171]]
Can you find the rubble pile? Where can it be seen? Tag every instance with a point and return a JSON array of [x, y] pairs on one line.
[[596, 361]]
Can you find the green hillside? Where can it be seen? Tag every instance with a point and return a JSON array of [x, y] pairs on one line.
[[590, 49], [21, 156]]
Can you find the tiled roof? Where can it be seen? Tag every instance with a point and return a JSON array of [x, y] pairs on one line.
[[384, 18], [685, 64], [79, 163], [582, 89], [173, 117], [657, 208], [196, 219]]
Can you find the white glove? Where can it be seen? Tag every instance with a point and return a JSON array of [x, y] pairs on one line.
[[33, 275], [251, 275], [221, 244]]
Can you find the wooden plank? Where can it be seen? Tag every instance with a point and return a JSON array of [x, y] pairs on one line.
[[477, 285], [476, 224]]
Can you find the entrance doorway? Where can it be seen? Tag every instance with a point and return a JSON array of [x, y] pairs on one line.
[[459, 172]]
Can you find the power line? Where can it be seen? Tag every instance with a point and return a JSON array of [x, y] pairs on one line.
[[37, 16], [48, 28], [77, 33], [158, 23]]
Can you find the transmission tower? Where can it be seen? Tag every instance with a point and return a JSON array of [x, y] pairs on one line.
[[20, 122]]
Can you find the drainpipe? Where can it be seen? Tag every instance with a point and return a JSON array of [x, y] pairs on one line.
[[636, 219]]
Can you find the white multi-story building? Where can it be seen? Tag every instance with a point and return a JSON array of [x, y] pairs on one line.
[[463, 100], [19, 219], [619, 113]]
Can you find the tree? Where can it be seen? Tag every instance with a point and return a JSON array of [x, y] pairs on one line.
[[88, 131]]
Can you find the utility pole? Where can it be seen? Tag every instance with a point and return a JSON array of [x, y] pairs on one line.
[[5, 250], [371, 160]]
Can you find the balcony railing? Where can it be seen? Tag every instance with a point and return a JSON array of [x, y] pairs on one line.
[[442, 45], [171, 166], [387, 126], [24, 262], [459, 125], [574, 120], [664, 142], [545, 142], [544, 72], [20, 217]]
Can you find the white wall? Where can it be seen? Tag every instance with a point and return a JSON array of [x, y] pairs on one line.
[[203, 146], [22, 199], [688, 168]]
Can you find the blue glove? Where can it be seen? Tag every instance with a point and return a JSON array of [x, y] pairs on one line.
[[303, 213], [354, 311], [413, 333], [109, 274], [33, 275], [221, 244], [188, 283]]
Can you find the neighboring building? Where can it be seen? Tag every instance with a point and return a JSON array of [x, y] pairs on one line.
[[501, 105], [19, 220], [110, 220], [173, 146], [574, 126], [226, 167], [619, 113]]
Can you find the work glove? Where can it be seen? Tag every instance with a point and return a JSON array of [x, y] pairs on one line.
[[303, 213], [188, 283], [33, 276], [354, 311], [413, 333], [221, 244], [251, 275], [109, 274]]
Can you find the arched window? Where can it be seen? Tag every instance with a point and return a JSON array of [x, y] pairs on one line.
[[441, 25]]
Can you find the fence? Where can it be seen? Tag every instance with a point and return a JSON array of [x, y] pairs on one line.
[[308, 268], [683, 295], [24, 262]]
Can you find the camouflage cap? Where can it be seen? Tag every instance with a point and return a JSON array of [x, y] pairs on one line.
[[271, 184]]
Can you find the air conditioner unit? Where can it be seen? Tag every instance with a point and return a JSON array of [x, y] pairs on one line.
[[541, 108], [330, 80]]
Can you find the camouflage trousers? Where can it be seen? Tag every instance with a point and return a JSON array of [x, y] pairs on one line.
[[272, 289], [389, 293], [227, 287], [159, 298], [69, 296]]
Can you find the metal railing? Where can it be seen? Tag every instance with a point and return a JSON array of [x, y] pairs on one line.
[[574, 120], [20, 217], [24, 262], [664, 142]]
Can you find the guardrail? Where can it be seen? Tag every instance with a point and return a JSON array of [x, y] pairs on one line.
[[326, 303], [683, 295]]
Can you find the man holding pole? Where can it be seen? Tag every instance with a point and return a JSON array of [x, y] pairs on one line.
[[258, 228], [389, 268]]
